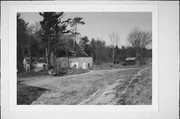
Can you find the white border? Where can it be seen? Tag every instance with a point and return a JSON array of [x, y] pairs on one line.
[[83, 8], [10, 72]]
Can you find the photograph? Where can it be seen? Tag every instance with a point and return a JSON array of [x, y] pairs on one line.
[[89, 59], [84, 58]]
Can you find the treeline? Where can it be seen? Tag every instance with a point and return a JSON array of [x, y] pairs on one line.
[[53, 34], [102, 53]]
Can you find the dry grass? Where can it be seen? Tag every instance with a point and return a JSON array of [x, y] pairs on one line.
[[70, 71], [76, 71], [138, 91], [68, 90]]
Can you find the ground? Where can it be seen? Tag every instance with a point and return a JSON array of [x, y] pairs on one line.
[[96, 87]]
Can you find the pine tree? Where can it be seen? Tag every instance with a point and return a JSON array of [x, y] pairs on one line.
[[21, 42], [74, 22], [52, 29]]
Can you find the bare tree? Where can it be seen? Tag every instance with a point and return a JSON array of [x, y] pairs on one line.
[[139, 40], [114, 38]]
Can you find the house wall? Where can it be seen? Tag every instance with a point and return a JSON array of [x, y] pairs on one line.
[[78, 62], [62, 61]]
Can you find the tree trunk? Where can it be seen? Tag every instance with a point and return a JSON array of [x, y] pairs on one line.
[[137, 53], [29, 53], [74, 38], [47, 61], [29, 58], [67, 58], [47, 53], [113, 55]]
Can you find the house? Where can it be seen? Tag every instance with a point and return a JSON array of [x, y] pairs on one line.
[[76, 59]]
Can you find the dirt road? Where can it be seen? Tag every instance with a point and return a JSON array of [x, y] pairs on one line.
[[94, 87]]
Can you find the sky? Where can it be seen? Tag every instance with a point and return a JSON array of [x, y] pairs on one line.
[[99, 25]]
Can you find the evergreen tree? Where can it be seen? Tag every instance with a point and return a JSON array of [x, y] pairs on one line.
[[74, 22], [52, 29], [83, 43], [21, 42]]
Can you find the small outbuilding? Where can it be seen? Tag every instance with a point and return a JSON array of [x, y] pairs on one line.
[[76, 59]]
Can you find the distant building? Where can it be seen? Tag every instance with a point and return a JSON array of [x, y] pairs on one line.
[[78, 59]]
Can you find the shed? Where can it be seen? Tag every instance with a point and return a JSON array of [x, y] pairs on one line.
[[78, 59]]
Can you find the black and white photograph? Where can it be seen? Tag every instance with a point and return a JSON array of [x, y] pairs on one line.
[[89, 59], [84, 58]]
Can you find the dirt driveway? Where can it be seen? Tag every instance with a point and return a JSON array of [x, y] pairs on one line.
[[94, 87]]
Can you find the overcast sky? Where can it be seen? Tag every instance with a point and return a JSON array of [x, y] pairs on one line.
[[99, 25]]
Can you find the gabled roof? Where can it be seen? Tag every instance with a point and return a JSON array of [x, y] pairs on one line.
[[80, 53]]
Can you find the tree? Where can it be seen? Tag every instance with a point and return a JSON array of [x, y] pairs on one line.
[[83, 43], [139, 39], [29, 42], [38, 48], [67, 42], [52, 30], [35, 47], [97, 49], [74, 22], [21, 42], [114, 38]]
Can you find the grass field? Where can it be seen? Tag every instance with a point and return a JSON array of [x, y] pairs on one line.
[[96, 87], [136, 90]]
